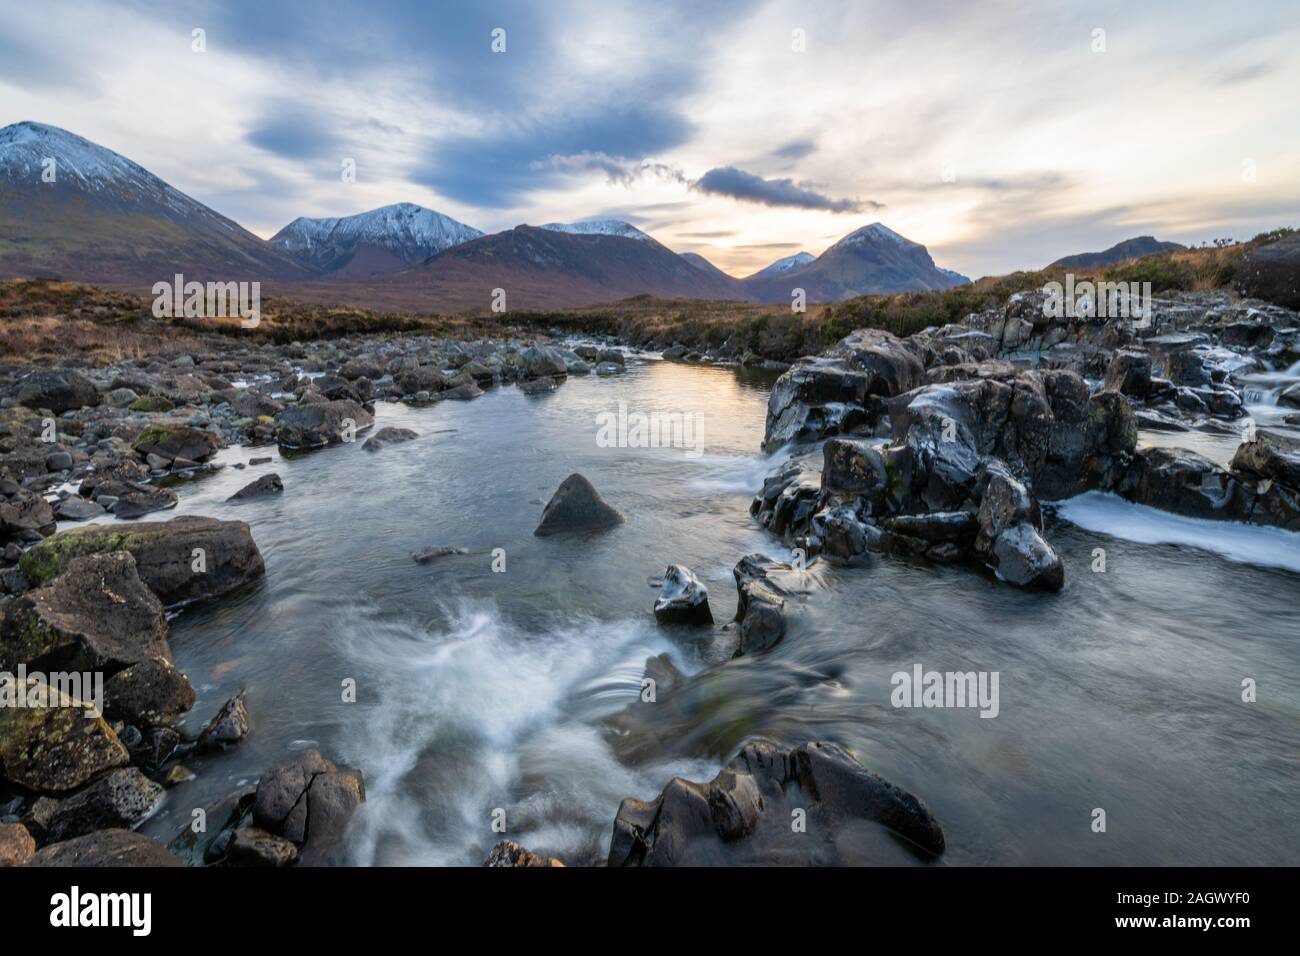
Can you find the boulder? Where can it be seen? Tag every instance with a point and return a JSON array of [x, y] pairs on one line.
[[137, 499], [253, 846], [228, 727], [1270, 454], [540, 361], [1129, 373], [510, 853], [576, 506], [321, 423], [1272, 272], [683, 599], [388, 436], [264, 487], [59, 390], [55, 747], [148, 694], [121, 799], [76, 508], [760, 611], [16, 844], [24, 513], [1009, 540], [96, 615], [193, 444], [743, 816], [168, 555], [107, 848], [310, 802]]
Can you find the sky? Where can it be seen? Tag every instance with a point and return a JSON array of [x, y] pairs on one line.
[[1000, 135]]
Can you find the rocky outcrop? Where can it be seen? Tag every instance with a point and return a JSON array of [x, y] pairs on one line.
[[106, 848], [97, 615], [184, 559], [576, 506], [683, 598], [743, 816]]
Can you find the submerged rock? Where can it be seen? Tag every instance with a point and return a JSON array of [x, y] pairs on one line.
[[264, 487], [743, 816], [388, 436], [576, 506], [683, 599], [425, 555]]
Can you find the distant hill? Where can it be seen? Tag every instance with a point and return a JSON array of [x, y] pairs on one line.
[[1128, 249], [107, 220], [708, 268], [782, 266], [371, 243]]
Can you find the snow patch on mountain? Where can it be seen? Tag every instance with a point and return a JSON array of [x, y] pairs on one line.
[[599, 227], [788, 264], [876, 232], [412, 232]]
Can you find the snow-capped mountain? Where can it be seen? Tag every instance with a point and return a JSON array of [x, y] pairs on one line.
[[872, 260], [75, 209], [796, 261], [371, 243], [599, 227]]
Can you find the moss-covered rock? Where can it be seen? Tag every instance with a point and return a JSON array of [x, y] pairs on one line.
[[55, 747]]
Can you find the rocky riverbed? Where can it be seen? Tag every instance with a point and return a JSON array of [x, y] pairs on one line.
[[952, 447]]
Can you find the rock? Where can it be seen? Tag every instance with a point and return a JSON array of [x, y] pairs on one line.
[[107, 848], [1290, 396], [138, 499], [760, 611], [196, 444], [320, 424], [253, 846], [152, 403], [119, 397], [539, 386], [1129, 373], [76, 508], [177, 775], [228, 727], [1009, 540], [309, 801], [55, 748], [426, 555], [576, 506], [264, 487], [510, 853], [59, 390], [743, 815], [1272, 272], [149, 693], [665, 674], [58, 461], [683, 599], [96, 615], [121, 799], [25, 513], [388, 436], [16, 844], [167, 555], [1272, 454], [424, 378], [1181, 481], [539, 361]]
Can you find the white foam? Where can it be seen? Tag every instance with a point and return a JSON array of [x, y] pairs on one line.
[[1242, 543]]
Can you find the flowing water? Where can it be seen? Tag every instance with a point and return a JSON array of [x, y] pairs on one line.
[[479, 690]]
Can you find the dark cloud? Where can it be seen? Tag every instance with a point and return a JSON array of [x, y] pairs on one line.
[[295, 133], [796, 149], [747, 187]]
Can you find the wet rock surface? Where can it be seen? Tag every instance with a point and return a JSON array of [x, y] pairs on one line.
[[576, 506]]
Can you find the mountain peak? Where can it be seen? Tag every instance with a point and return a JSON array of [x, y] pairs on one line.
[[787, 264], [599, 227], [876, 232]]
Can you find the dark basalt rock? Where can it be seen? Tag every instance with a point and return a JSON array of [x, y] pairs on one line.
[[23, 514], [149, 693], [1272, 272], [683, 598], [192, 444], [1009, 539], [264, 487], [425, 555], [576, 506], [321, 423], [1271, 454], [760, 611], [121, 799], [59, 390], [743, 816], [228, 727], [106, 848]]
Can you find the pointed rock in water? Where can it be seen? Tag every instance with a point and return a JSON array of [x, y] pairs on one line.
[[229, 727], [263, 487], [426, 555], [760, 608], [683, 599], [576, 506]]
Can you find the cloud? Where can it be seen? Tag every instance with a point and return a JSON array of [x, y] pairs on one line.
[[617, 171], [295, 134], [747, 187], [795, 149], [1244, 74]]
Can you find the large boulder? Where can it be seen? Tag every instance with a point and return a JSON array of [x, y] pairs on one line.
[[1272, 272], [683, 598], [59, 390], [760, 609], [148, 694], [266, 486], [309, 801], [106, 848], [51, 745], [184, 559], [321, 423], [743, 816], [191, 444], [97, 615], [576, 506], [1009, 540], [1270, 454], [120, 799], [541, 361], [25, 512]]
